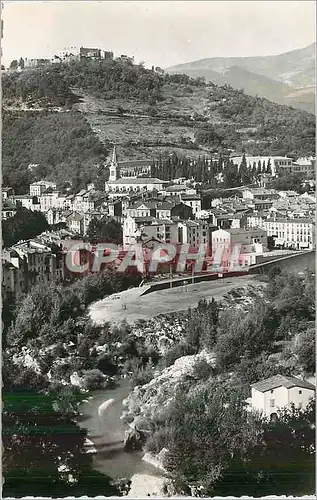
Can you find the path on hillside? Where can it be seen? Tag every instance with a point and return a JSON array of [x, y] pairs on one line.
[[131, 306]]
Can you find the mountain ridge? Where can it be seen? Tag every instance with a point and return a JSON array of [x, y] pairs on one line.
[[294, 69]]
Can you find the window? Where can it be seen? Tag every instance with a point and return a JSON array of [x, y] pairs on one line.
[[272, 403], [299, 392]]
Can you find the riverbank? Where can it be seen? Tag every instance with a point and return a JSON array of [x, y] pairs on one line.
[[143, 485], [107, 433]]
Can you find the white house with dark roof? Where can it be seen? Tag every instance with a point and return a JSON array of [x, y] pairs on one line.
[[130, 185], [193, 201], [274, 393]]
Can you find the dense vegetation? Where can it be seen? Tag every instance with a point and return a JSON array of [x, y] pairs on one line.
[[104, 230], [222, 452], [66, 149], [40, 434], [25, 225], [44, 446], [274, 333], [62, 144]]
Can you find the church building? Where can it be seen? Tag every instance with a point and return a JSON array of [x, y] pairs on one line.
[[124, 179]]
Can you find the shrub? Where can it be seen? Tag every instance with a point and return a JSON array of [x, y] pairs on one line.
[[94, 379], [202, 370], [106, 366], [158, 441], [143, 375], [175, 352]]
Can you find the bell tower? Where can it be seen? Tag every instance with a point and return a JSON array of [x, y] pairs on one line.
[[114, 170]]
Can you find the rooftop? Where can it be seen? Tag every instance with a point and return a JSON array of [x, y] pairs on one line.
[[279, 381], [138, 180], [292, 221], [190, 197], [176, 187]]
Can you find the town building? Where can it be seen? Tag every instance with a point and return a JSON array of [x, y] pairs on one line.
[[36, 63], [277, 392], [242, 246], [194, 233], [265, 162], [193, 201], [125, 185], [178, 190], [37, 263], [122, 187], [137, 229], [12, 280], [259, 194], [39, 187], [91, 54], [301, 166], [298, 234], [26, 201], [6, 192], [9, 209]]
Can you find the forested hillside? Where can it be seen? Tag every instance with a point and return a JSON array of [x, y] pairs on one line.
[[147, 113]]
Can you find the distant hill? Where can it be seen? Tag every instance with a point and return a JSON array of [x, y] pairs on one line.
[[65, 118], [287, 78]]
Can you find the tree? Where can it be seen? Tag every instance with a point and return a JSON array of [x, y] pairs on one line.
[[104, 230], [25, 225], [207, 426], [44, 449], [281, 463], [254, 332], [21, 63], [14, 64], [305, 350], [202, 325]]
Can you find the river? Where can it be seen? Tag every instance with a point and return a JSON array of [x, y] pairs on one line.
[[107, 434]]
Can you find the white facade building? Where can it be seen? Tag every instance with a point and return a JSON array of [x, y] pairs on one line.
[[291, 233], [275, 162], [193, 201], [134, 185], [37, 188], [275, 393]]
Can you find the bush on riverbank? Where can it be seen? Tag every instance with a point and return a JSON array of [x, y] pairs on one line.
[[95, 379]]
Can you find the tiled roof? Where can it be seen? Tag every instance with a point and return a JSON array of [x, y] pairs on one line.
[[166, 206], [190, 197], [244, 231], [280, 380], [292, 221], [138, 180], [8, 205], [176, 187]]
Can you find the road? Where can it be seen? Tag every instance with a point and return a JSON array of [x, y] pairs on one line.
[[130, 306]]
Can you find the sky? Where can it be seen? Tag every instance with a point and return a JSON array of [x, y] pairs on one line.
[[162, 33]]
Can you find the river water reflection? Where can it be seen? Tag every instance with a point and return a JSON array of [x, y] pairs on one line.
[[107, 434]]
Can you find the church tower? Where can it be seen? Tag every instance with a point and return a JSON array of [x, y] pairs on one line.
[[114, 170]]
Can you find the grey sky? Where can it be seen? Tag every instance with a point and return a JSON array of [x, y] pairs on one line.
[[161, 33]]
